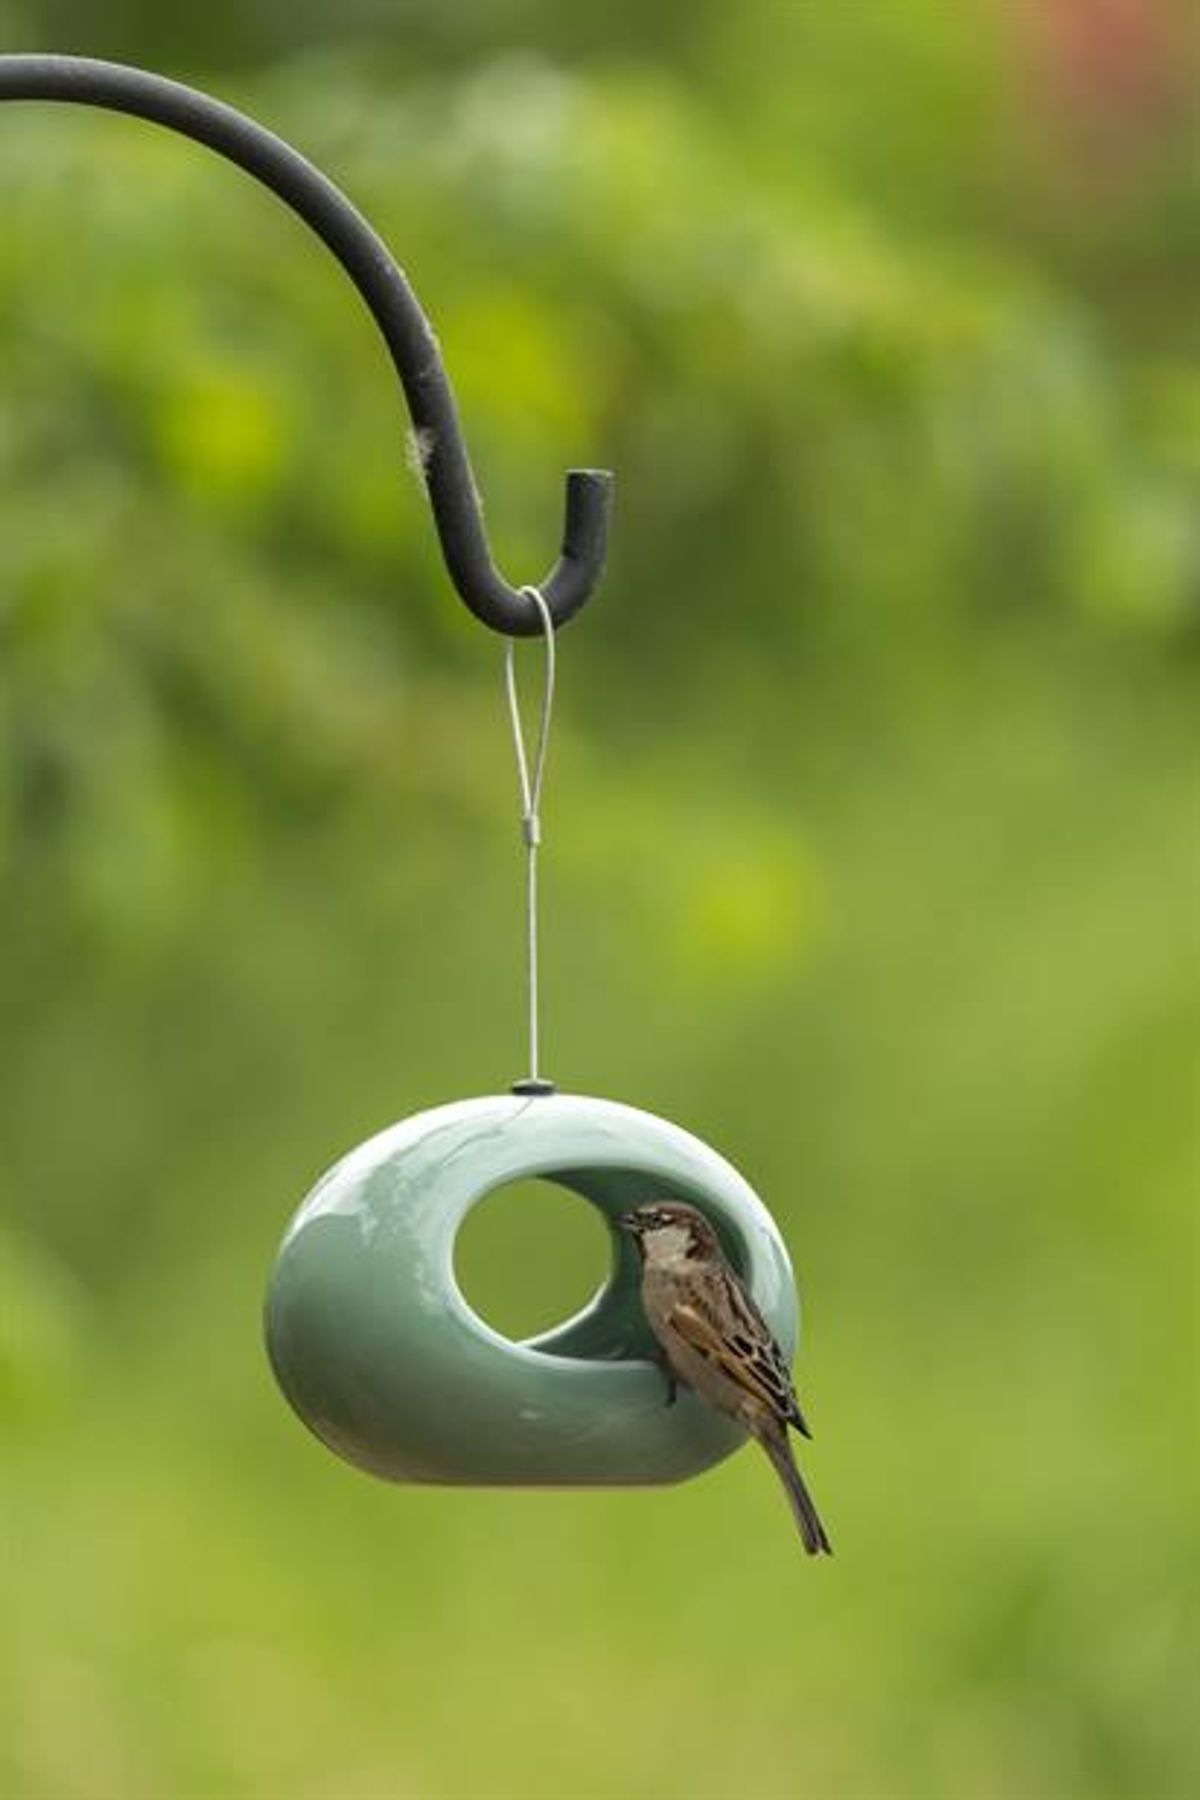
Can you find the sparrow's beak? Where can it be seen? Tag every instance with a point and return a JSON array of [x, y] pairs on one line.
[[629, 1223]]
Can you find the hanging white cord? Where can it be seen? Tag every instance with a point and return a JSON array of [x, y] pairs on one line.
[[530, 780]]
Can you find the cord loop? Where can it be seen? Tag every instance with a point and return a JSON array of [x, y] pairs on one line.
[[530, 780]]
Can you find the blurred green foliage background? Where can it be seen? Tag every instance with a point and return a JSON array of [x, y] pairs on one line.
[[872, 858]]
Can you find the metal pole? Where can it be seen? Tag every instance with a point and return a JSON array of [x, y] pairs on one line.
[[410, 339]]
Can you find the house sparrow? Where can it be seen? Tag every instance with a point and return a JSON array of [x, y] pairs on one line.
[[715, 1341]]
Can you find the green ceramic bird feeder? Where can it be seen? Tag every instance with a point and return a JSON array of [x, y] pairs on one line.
[[379, 1352], [367, 1328]]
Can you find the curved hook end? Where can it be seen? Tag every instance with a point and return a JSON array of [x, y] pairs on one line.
[[576, 574]]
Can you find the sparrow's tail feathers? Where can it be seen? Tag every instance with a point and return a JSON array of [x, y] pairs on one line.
[[812, 1531]]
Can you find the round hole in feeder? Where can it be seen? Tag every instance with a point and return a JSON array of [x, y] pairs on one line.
[[531, 1255]]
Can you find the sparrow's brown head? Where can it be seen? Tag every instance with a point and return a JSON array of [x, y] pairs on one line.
[[669, 1229]]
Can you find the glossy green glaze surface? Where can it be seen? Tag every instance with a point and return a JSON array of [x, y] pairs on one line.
[[379, 1352]]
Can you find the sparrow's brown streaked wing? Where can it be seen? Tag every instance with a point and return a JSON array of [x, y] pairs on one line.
[[756, 1328], [746, 1354]]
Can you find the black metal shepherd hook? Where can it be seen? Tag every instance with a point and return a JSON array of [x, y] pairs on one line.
[[396, 310]]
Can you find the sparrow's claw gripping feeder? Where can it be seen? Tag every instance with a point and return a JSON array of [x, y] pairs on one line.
[[367, 1329]]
